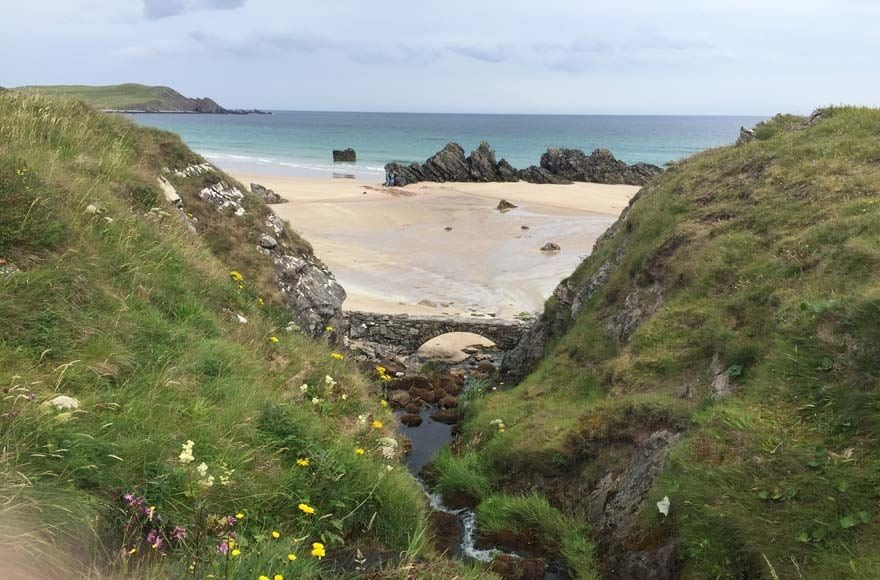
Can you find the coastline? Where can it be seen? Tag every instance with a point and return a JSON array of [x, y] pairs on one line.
[[392, 252]]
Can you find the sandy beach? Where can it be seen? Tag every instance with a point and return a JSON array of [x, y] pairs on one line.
[[393, 252]]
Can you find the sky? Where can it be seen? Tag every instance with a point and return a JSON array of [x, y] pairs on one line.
[[480, 56]]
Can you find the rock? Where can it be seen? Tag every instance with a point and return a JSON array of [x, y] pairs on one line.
[[426, 395], [411, 420], [64, 403], [427, 303], [486, 368], [268, 242], [470, 350], [506, 172], [447, 416], [524, 227], [745, 136], [448, 228], [505, 205], [93, 209], [448, 164], [445, 531], [410, 383], [400, 398], [448, 402], [535, 174], [481, 164], [599, 167], [550, 247], [266, 194], [513, 568], [413, 408], [344, 155], [458, 376]]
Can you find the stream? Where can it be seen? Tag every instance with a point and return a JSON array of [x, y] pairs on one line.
[[430, 437]]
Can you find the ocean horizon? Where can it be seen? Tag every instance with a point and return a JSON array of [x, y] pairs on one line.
[[300, 143]]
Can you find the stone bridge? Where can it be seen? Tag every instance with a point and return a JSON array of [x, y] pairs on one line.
[[410, 331]]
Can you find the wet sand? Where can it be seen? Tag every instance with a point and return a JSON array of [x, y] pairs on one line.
[[391, 250]]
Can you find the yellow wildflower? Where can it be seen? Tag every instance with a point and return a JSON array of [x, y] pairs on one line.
[[263, 577], [260, 300], [383, 402], [377, 424], [359, 451], [303, 462], [236, 553], [329, 328], [337, 356], [306, 509], [239, 516], [278, 577], [276, 534], [236, 275], [133, 551], [318, 550], [273, 339], [291, 557]]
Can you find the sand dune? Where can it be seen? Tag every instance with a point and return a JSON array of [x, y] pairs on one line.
[[390, 249]]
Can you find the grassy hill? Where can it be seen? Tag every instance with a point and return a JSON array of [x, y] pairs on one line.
[[129, 97], [730, 338], [144, 425]]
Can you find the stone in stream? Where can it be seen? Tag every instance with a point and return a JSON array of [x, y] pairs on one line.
[[400, 398], [411, 420], [448, 416], [448, 402], [512, 568], [426, 395], [413, 408], [550, 247]]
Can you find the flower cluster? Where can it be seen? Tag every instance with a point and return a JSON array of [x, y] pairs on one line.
[[498, 424], [146, 525], [383, 374], [186, 454], [206, 480], [388, 447]]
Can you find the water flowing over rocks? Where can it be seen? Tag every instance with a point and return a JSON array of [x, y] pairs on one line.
[[557, 166]]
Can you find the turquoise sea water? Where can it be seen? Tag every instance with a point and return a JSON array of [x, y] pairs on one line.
[[300, 143]]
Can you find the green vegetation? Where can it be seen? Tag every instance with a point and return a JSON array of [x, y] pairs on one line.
[[767, 256], [125, 97], [126, 316]]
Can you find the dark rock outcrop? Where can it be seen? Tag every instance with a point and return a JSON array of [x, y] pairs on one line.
[[745, 136], [505, 205], [550, 247], [557, 166], [345, 155], [598, 167], [266, 194]]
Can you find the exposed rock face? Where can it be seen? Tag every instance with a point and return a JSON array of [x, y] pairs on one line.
[[557, 166], [745, 136], [505, 205], [598, 167], [550, 247], [345, 155], [568, 299], [266, 194], [311, 292]]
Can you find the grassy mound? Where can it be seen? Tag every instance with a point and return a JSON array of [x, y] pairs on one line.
[[146, 430], [744, 315]]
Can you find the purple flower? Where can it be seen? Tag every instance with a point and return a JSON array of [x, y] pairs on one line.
[[230, 520], [223, 547], [178, 533], [154, 539], [129, 498]]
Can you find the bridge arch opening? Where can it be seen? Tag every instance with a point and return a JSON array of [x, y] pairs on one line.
[[450, 346]]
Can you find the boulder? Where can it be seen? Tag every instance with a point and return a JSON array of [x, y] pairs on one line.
[[400, 398], [448, 402], [266, 194], [411, 420], [505, 205], [402, 175], [506, 172], [550, 247], [745, 136], [413, 408], [447, 416], [448, 164], [513, 568], [535, 174], [268, 242], [344, 155]]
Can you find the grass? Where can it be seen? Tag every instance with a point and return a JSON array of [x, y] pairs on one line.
[[128, 96], [129, 316], [767, 258]]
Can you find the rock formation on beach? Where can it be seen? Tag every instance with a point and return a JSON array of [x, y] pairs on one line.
[[266, 194], [557, 166], [344, 155]]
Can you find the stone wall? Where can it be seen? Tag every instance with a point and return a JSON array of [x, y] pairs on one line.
[[411, 332]]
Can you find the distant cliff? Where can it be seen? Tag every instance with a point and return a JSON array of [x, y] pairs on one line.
[[136, 98], [557, 166]]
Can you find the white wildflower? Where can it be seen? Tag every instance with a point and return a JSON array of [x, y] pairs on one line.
[[362, 421], [186, 454], [64, 403], [304, 388], [315, 400], [202, 469]]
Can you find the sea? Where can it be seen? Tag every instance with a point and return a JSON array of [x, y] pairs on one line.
[[300, 143]]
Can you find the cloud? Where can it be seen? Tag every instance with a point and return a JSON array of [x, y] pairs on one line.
[[263, 44], [488, 54], [157, 9]]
